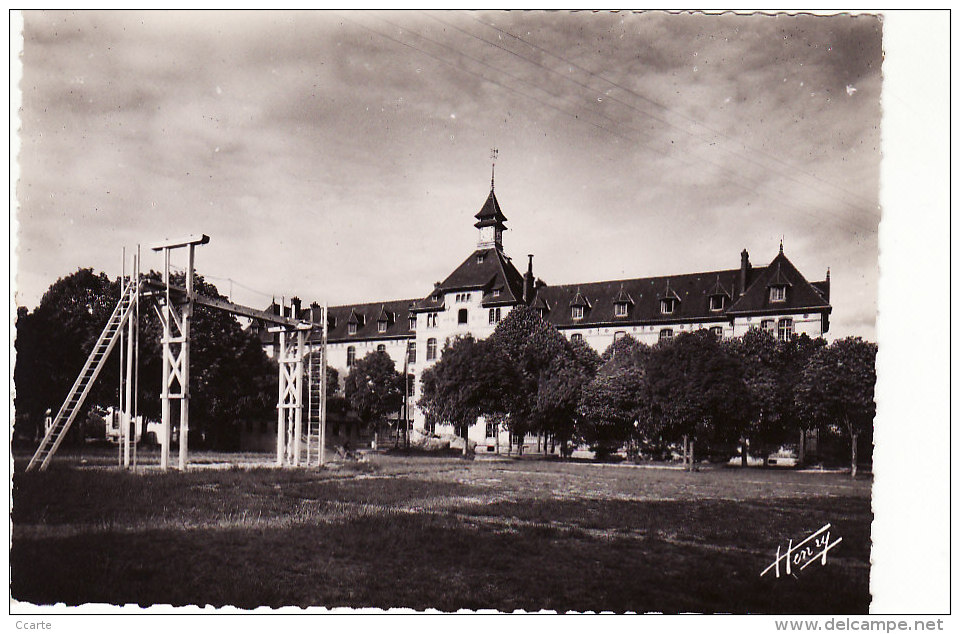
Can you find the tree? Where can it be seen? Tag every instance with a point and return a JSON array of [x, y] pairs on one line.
[[231, 379], [611, 403], [696, 390], [560, 390], [374, 388], [837, 388], [53, 342], [470, 380], [532, 347]]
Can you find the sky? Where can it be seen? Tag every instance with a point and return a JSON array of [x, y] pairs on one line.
[[340, 157]]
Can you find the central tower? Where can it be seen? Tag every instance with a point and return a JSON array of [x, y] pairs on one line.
[[490, 222]]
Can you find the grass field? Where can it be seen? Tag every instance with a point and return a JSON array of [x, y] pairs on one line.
[[426, 532]]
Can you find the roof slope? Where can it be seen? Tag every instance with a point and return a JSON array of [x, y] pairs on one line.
[[485, 269], [801, 294], [693, 291]]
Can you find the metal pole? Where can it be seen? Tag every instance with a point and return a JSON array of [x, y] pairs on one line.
[[185, 365]]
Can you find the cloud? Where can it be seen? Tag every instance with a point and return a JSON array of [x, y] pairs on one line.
[[319, 152]]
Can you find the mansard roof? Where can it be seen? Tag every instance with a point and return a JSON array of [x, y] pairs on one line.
[[490, 213], [366, 317], [801, 294], [693, 291]]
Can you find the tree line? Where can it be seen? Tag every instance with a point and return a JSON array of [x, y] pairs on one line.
[[691, 390]]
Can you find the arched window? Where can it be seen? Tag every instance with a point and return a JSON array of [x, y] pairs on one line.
[[431, 349], [576, 337], [717, 331], [785, 329], [666, 333], [462, 316], [351, 356]]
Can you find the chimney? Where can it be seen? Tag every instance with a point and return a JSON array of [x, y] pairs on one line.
[[528, 281], [744, 270], [295, 307]]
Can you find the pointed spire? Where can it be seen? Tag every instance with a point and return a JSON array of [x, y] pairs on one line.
[[828, 273], [781, 245], [494, 152]]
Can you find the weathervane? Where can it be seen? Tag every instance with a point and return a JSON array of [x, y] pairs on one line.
[[493, 157]]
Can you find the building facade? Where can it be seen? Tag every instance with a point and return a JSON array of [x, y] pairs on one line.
[[486, 286]]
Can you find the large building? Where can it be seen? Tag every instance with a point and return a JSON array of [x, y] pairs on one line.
[[486, 286]]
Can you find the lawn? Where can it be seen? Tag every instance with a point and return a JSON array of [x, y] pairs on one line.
[[426, 532]]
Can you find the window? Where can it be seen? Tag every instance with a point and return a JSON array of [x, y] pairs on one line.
[[381, 347], [496, 292], [620, 334], [620, 309], [577, 312], [431, 349], [431, 320], [576, 337], [462, 316], [491, 430], [351, 329], [413, 322], [717, 332], [785, 329], [381, 326], [717, 302], [411, 384], [666, 333], [494, 316], [778, 293], [667, 307], [481, 257], [542, 313], [766, 325], [351, 356], [412, 352]]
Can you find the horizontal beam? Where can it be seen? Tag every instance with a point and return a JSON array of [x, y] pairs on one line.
[[196, 238], [230, 307]]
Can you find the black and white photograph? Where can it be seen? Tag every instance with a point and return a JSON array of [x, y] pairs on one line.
[[443, 311]]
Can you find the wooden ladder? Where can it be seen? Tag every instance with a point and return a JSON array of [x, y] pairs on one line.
[[81, 387]]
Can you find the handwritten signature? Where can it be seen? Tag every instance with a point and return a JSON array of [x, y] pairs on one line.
[[800, 555]]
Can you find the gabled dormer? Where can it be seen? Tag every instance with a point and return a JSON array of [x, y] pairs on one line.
[[579, 306], [778, 287], [385, 319], [354, 322], [718, 298], [669, 301], [622, 304], [541, 307]]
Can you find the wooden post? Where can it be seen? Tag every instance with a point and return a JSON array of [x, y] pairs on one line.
[[323, 390], [281, 416], [185, 364], [128, 396], [166, 430]]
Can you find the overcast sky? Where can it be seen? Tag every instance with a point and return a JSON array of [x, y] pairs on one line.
[[341, 157]]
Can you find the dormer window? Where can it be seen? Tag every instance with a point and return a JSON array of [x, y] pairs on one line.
[[496, 292], [381, 326], [620, 309], [413, 322], [718, 302], [351, 329], [481, 257], [778, 293], [576, 312], [668, 306], [542, 313]]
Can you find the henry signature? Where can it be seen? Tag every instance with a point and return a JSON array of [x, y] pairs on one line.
[[799, 556]]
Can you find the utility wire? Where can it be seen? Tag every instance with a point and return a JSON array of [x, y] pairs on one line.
[[699, 124], [852, 223]]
